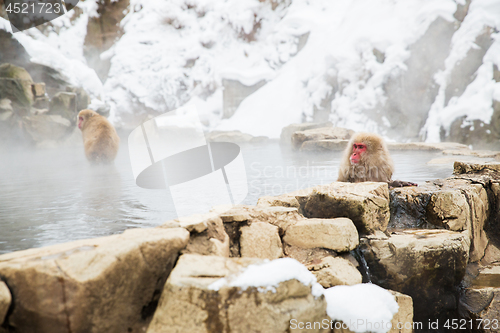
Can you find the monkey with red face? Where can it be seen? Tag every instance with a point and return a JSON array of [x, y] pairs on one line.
[[100, 139], [367, 159]]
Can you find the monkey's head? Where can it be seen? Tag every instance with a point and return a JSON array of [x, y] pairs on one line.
[[83, 116], [363, 145]]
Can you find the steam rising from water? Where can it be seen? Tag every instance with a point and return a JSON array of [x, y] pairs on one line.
[[54, 195]]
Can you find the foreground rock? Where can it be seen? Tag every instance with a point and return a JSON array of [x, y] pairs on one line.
[[428, 265], [338, 234], [453, 204], [337, 271], [191, 302], [5, 300], [366, 204], [108, 284]]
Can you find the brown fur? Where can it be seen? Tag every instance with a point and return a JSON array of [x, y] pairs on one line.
[[100, 139], [375, 165]]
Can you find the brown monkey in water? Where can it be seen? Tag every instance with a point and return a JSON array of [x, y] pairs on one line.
[[367, 159], [100, 139]]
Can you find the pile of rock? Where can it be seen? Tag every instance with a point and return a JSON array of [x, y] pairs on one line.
[[28, 114]]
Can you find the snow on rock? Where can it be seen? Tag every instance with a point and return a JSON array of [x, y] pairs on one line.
[[267, 276], [61, 47], [476, 101], [363, 307]]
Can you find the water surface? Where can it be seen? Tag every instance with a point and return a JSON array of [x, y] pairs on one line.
[[50, 196]]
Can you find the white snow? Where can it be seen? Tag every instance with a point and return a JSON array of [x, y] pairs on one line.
[[179, 51], [267, 276], [476, 101], [363, 307]]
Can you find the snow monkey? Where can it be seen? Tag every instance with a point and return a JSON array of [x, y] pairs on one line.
[[367, 159], [100, 140]]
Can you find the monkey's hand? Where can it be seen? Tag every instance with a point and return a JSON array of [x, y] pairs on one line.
[[400, 183]]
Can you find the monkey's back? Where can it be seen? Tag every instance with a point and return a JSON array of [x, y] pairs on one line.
[[100, 140]]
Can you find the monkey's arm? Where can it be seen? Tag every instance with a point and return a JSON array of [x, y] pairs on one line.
[[400, 183]]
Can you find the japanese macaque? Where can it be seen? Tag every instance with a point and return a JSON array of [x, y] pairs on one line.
[[367, 159], [100, 140]]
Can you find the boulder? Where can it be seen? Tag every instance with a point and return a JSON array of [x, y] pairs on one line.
[[366, 204], [195, 299], [5, 300], [316, 134], [82, 98], [241, 215], [38, 89], [15, 84], [207, 234], [480, 168], [324, 145], [335, 271], [453, 204], [287, 132], [307, 257], [481, 298], [261, 240], [427, 265], [64, 104], [337, 234], [44, 127], [108, 284]]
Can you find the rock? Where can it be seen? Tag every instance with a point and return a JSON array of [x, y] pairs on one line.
[[6, 110], [82, 98], [481, 299], [261, 240], [11, 51], [102, 32], [453, 204], [287, 132], [12, 78], [38, 89], [366, 204], [295, 199], [409, 206], [402, 321], [41, 103], [427, 265], [426, 146], [229, 136], [106, 284], [241, 215], [46, 127], [324, 145], [207, 234], [64, 104], [325, 133], [335, 272], [338, 234], [307, 257], [281, 201], [5, 300], [482, 168], [189, 304]]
